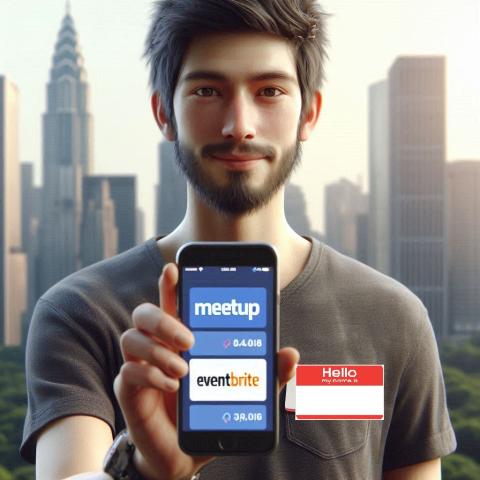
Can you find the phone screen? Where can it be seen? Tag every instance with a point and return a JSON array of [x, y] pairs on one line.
[[231, 383]]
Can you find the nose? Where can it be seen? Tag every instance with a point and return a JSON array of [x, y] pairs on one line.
[[239, 119]]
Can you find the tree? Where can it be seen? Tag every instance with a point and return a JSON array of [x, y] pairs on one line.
[[5, 474], [459, 467]]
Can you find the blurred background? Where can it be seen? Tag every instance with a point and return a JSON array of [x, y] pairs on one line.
[[391, 175]]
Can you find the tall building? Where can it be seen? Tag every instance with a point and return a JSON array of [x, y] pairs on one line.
[[361, 253], [140, 226], [171, 195], [464, 246], [296, 209], [417, 126], [30, 223], [378, 242], [13, 262], [122, 192], [344, 201], [67, 156], [99, 231]]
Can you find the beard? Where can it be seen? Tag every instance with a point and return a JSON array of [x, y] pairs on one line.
[[236, 197]]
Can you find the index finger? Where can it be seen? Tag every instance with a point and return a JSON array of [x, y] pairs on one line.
[[168, 289]]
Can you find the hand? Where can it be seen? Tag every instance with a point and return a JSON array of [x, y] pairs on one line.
[[146, 386]]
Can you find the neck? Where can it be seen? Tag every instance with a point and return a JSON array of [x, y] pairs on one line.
[[268, 224]]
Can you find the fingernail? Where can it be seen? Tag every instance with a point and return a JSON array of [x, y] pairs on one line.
[[183, 340]]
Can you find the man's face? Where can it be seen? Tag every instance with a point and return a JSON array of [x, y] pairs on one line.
[[237, 107]]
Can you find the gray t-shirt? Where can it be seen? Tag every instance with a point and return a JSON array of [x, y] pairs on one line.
[[336, 311]]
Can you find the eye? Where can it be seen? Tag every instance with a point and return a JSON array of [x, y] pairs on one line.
[[207, 92], [270, 92]]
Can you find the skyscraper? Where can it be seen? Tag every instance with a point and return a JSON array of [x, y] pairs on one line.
[[122, 192], [30, 224], [140, 226], [464, 245], [378, 242], [13, 263], [344, 201], [417, 181], [296, 209], [67, 156], [171, 198], [99, 231]]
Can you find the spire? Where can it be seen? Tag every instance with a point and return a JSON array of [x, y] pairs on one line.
[[67, 57]]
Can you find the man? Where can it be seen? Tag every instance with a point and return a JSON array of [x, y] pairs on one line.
[[236, 87]]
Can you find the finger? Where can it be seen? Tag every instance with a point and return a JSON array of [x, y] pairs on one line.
[[168, 289], [288, 358], [140, 388], [90, 476], [140, 346], [146, 376], [153, 320]]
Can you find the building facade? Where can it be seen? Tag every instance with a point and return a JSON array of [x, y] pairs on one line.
[[171, 195], [13, 262], [67, 157], [417, 144], [464, 246]]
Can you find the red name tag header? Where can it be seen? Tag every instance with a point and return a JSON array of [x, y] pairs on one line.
[[323, 375]]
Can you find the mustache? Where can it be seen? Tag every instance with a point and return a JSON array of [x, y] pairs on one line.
[[230, 147]]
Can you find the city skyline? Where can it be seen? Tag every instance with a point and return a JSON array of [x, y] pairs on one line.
[[337, 148]]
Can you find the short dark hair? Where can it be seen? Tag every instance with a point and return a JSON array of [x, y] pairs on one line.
[[176, 22]]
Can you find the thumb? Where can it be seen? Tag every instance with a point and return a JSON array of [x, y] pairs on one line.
[[288, 358], [167, 286]]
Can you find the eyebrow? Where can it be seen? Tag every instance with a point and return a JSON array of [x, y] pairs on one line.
[[212, 75]]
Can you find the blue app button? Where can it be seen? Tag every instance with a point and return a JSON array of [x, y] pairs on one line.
[[229, 343], [228, 417], [232, 307]]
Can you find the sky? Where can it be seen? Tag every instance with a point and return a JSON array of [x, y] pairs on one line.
[[365, 38]]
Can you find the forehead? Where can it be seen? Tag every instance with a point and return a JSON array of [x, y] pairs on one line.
[[239, 55]]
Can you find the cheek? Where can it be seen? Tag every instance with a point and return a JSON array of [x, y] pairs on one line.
[[280, 123], [197, 122]]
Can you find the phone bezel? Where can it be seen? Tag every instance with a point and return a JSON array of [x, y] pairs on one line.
[[230, 254]]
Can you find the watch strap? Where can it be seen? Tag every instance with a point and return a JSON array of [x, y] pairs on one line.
[[118, 462]]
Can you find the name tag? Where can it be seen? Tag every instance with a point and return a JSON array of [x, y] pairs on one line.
[[290, 395], [336, 392]]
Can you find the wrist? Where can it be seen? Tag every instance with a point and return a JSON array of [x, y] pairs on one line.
[[142, 467], [147, 474]]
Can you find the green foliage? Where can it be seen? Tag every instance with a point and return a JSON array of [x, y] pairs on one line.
[[463, 392], [5, 474], [460, 467], [465, 357], [13, 402], [468, 437], [26, 472], [461, 367]]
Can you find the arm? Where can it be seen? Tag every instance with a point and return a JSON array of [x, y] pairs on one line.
[[430, 470], [72, 445]]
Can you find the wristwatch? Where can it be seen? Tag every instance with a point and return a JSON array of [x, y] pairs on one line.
[[118, 461]]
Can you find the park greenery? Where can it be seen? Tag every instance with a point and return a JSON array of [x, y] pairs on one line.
[[461, 367]]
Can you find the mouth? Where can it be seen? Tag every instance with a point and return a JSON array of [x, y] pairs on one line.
[[237, 158], [234, 162]]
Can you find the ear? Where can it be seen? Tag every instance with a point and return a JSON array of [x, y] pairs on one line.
[[160, 117], [311, 117]]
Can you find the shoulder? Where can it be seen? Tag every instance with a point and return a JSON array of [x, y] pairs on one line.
[[368, 294], [115, 284]]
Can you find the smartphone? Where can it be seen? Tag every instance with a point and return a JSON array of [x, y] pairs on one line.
[[228, 297]]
